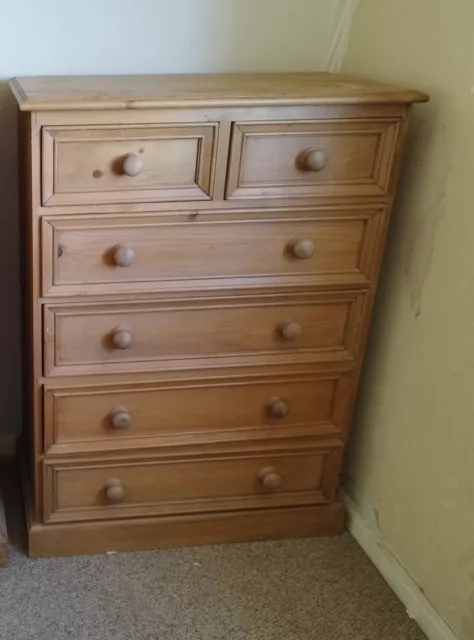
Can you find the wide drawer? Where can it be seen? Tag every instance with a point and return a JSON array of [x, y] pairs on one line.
[[247, 480], [125, 416], [108, 164], [123, 254], [95, 338], [312, 158]]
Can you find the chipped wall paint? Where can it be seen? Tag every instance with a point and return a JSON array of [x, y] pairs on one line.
[[412, 450]]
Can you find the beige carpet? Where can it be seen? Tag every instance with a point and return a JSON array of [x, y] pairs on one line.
[[321, 589]]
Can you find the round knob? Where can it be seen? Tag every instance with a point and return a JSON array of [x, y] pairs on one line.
[[291, 331], [269, 478], [303, 249], [313, 160], [132, 165], [122, 338], [278, 408], [120, 418], [123, 256], [114, 490]]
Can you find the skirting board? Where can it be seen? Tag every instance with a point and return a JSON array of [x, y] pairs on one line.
[[418, 606]]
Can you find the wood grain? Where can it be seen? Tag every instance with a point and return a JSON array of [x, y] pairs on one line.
[[182, 90], [79, 538], [268, 159], [79, 254], [78, 491], [81, 339], [86, 164], [178, 413], [192, 367]]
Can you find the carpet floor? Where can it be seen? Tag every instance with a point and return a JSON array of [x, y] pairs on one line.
[[321, 589]]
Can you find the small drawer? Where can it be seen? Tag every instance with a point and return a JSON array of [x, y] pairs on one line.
[[143, 253], [110, 164], [247, 480], [122, 417], [309, 159], [105, 338]]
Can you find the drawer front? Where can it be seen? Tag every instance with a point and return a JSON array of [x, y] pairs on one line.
[[306, 159], [110, 164], [123, 417], [143, 253], [238, 481], [151, 336]]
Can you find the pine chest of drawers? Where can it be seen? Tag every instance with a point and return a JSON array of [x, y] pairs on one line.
[[201, 255]]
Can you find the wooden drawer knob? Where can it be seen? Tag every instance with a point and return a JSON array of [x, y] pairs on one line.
[[120, 418], [122, 338], [278, 408], [291, 331], [114, 490], [313, 160], [123, 256], [132, 165], [303, 249], [270, 479]]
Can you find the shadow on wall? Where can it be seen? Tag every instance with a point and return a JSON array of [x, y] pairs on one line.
[[406, 265], [10, 319]]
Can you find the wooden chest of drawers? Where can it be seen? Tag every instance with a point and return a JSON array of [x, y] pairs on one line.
[[201, 256]]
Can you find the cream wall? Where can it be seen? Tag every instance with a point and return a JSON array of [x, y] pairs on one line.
[[139, 36], [412, 463]]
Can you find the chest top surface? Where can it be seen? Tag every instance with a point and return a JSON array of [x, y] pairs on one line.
[[45, 93]]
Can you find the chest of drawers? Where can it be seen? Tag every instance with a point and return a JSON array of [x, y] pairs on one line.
[[201, 256]]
